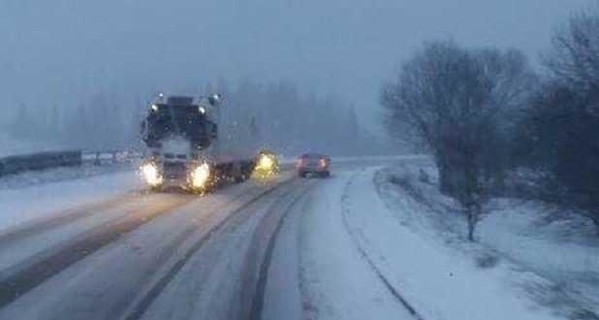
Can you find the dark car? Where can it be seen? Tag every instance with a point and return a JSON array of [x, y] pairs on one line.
[[313, 164]]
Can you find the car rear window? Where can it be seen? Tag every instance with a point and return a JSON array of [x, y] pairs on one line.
[[312, 156]]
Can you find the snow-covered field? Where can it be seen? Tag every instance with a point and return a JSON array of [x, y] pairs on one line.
[[551, 255]]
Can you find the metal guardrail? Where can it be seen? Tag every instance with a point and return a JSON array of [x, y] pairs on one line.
[[48, 160], [39, 161], [111, 157]]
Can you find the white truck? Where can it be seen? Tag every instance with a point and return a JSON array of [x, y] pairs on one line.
[[187, 147]]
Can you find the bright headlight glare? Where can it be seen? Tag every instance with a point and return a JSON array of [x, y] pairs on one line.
[[200, 176], [151, 174], [265, 162]]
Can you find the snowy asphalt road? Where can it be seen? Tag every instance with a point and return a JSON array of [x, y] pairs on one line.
[[255, 250]]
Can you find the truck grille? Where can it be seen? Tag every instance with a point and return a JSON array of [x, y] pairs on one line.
[[175, 170]]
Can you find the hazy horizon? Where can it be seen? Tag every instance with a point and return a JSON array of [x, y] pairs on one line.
[[62, 52]]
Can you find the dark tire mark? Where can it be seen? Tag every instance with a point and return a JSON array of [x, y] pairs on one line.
[[392, 290], [260, 288], [140, 307]]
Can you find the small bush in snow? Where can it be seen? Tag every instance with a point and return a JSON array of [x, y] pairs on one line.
[[486, 261], [423, 176]]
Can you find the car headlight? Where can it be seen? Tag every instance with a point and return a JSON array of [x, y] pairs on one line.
[[200, 176], [151, 174]]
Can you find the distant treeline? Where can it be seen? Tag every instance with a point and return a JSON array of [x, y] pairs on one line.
[[282, 118]]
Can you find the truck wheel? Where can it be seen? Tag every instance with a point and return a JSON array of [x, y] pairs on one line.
[[157, 189]]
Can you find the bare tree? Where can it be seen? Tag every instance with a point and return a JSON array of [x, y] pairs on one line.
[[564, 120], [574, 59], [452, 98]]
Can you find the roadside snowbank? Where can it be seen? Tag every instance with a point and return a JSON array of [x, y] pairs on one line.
[[87, 170], [438, 281], [557, 248], [20, 205], [358, 257], [336, 283]]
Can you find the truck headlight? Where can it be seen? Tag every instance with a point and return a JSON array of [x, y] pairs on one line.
[[200, 176], [151, 174]]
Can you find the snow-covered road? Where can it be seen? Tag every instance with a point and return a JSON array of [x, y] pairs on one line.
[[288, 249], [344, 254]]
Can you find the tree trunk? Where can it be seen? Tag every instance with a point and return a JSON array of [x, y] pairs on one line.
[[595, 218], [444, 181], [441, 169], [471, 224], [473, 214], [449, 181], [592, 212]]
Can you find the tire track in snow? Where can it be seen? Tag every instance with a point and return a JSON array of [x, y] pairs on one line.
[[260, 287], [364, 254], [18, 280], [106, 285], [143, 302]]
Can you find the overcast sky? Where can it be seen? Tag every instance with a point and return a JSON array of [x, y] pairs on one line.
[[61, 50]]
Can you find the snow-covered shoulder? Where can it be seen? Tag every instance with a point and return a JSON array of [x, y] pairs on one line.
[[22, 205], [541, 253]]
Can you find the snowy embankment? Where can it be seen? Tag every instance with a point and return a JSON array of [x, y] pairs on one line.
[[359, 256], [335, 281], [437, 281], [550, 255], [19, 205], [34, 195]]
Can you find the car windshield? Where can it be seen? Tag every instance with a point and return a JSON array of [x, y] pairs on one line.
[[312, 156]]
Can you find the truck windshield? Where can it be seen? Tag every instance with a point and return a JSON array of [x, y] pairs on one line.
[[185, 120]]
